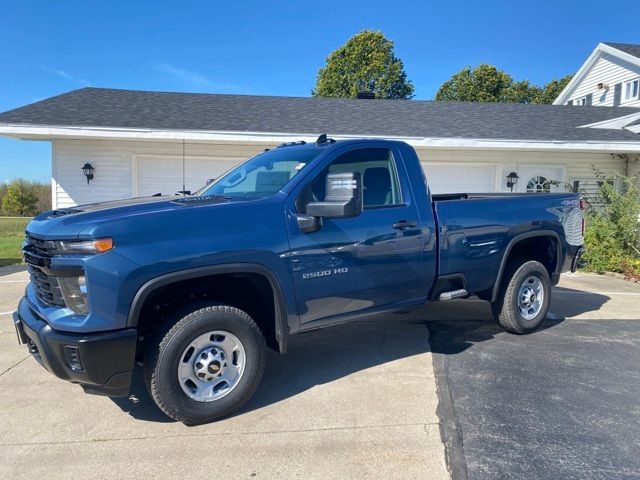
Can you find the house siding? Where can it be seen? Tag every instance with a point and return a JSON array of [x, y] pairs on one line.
[[115, 176], [114, 162], [609, 70]]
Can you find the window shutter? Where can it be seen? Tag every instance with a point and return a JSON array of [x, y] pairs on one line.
[[589, 99], [570, 102], [617, 94]]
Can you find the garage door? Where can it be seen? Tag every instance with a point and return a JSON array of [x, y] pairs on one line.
[[164, 174], [453, 178]]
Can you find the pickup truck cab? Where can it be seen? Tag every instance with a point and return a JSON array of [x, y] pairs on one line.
[[299, 237]]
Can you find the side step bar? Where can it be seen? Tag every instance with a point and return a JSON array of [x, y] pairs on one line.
[[462, 293]]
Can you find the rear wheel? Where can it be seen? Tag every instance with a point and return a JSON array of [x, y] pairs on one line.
[[524, 297], [207, 365]]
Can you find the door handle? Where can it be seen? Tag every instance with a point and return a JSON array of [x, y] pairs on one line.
[[402, 224]]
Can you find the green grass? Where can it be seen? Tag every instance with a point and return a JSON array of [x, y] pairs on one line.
[[11, 237]]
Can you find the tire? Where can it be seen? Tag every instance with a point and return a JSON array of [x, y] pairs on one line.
[[516, 310], [206, 365]]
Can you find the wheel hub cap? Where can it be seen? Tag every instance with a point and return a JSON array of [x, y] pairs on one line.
[[211, 366], [209, 363], [530, 297]]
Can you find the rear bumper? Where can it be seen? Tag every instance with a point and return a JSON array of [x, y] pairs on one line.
[[101, 362]]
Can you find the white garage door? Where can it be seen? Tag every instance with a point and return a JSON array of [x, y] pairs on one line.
[[452, 178], [164, 174]]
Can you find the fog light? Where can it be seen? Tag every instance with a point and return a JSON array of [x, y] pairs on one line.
[[74, 292], [72, 357]]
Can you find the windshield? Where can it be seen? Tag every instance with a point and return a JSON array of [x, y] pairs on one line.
[[262, 175]]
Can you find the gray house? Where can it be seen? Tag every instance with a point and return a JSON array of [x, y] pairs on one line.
[[140, 143]]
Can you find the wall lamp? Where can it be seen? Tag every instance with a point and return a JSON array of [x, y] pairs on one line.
[[88, 172], [512, 179]]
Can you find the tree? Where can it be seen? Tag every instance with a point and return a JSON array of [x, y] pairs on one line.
[[365, 63], [486, 83], [19, 200], [551, 90]]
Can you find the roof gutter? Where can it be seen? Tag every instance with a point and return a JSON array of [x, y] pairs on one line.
[[44, 132]]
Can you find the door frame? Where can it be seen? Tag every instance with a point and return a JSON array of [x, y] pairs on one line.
[[563, 168]]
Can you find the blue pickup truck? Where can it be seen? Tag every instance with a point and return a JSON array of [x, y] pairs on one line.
[[303, 236]]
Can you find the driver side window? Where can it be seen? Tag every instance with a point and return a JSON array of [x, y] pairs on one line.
[[378, 171]]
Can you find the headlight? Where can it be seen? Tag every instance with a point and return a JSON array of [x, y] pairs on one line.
[[99, 245], [74, 292]]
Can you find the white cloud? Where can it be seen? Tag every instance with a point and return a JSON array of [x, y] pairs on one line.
[[187, 76], [67, 76]]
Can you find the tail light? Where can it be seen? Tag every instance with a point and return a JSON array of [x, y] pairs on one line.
[[583, 207]]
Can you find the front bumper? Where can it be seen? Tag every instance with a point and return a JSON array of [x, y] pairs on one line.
[[101, 362]]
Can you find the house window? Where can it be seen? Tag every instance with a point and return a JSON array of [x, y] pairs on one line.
[[630, 90], [580, 101], [538, 184]]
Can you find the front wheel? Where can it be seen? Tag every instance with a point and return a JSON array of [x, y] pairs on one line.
[[524, 298], [207, 365]]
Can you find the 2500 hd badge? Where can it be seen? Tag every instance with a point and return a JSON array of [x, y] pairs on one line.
[[325, 273]]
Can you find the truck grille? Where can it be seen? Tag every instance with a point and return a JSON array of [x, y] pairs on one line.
[[46, 287], [37, 254]]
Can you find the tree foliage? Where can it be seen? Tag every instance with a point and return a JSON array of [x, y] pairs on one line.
[[23, 198], [365, 63], [487, 83], [549, 92]]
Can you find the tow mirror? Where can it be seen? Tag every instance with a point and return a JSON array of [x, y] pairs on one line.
[[343, 197]]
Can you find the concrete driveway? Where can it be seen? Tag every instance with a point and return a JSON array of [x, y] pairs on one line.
[[356, 401]]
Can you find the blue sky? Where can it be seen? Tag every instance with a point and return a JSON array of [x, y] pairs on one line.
[[276, 48]]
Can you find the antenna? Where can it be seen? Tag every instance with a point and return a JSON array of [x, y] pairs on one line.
[[184, 189]]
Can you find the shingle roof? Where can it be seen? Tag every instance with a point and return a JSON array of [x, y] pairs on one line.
[[629, 48], [97, 107]]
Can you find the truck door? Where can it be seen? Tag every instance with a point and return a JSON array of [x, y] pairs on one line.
[[363, 262]]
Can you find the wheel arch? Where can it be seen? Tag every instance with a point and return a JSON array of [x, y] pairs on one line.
[[153, 285], [519, 239]]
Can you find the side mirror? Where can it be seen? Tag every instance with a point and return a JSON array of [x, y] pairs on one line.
[[343, 197]]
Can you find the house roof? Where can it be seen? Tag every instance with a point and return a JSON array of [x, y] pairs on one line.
[[630, 48], [129, 109]]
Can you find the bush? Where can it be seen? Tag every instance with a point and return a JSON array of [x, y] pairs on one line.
[[612, 237], [24, 198]]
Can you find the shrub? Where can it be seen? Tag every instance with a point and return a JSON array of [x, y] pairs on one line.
[[19, 201], [612, 237], [24, 198]]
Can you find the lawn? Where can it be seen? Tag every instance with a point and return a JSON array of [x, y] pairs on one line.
[[11, 237]]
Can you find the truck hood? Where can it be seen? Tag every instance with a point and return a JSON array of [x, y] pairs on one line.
[[68, 223]]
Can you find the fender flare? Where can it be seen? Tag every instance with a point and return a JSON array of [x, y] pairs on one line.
[[280, 313], [512, 243]]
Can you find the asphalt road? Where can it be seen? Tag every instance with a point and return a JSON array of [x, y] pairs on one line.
[[561, 403]]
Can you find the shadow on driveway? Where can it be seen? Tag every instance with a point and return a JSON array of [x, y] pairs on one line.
[[322, 356]]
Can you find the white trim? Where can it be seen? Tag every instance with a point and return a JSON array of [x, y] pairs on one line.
[[614, 123], [54, 177], [624, 87], [634, 128], [586, 66], [31, 131]]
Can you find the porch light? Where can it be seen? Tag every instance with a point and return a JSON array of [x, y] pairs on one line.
[[88, 171], [512, 179]]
